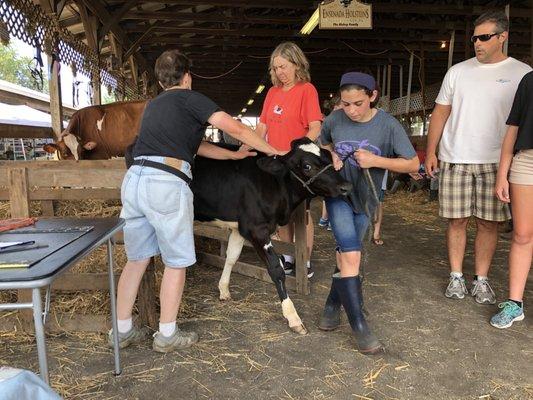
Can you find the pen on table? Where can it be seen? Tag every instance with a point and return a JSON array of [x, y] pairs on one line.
[[22, 248]]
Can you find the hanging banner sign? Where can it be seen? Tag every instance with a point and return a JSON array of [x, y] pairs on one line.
[[345, 14]]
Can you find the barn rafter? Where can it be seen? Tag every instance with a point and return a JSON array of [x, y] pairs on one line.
[[220, 34]]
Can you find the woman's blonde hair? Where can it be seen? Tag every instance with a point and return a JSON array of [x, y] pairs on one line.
[[291, 52]]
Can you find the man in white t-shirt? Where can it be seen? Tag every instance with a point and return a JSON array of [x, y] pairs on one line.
[[469, 120]]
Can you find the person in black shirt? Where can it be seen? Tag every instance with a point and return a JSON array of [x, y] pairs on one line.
[[158, 204], [516, 173]]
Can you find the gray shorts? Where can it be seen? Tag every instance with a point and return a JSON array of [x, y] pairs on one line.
[[159, 214]]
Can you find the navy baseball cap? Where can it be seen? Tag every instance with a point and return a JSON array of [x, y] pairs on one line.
[[358, 78]]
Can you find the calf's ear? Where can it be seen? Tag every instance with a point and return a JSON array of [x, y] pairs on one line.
[[272, 165], [50, 148], [89, 145]]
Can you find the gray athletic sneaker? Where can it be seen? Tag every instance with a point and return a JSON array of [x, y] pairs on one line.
[[482, 292], [134, 335], [456, 288], [179, 340]]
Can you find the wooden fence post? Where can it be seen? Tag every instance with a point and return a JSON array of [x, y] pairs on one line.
[[19, 199], [300, 249], [146, 298], [19, 202], [47, 208]]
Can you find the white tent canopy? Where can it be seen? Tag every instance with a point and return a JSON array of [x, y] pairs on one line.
[[23, 115]]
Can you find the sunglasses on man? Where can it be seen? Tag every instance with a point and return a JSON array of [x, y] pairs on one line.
[[484, 38]]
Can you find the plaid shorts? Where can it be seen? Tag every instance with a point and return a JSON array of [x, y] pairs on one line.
[[468, 189]]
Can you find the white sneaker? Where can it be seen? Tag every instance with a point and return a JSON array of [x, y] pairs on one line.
[[456, 288], [482, 292]]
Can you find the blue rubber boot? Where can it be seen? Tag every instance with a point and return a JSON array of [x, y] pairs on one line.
[[350, 295]]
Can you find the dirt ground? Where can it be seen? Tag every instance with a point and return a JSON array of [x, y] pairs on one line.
[[436, 348]]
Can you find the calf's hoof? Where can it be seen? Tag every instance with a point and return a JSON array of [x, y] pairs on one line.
[[225, 297], [299, 329]]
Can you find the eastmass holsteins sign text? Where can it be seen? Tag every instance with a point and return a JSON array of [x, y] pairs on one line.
[[345, 14]]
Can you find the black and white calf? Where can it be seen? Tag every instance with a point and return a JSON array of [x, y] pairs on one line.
[[254, 196]]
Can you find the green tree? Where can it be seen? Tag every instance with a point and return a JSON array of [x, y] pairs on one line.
[[106, 97], [16, 69]]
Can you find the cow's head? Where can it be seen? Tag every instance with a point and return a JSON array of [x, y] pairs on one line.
[[69, 147], [310, 166]]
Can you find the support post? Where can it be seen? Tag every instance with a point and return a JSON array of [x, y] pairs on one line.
[[54, 81], [423, 76], [409, 82], [47, 208], [506, 43], [401, 82], [450, 49], [389, 73], [134, 70], [91, 33], [467, 39], [146, 298], [384, 80], [300, 249], [56, 108], [19, 201]]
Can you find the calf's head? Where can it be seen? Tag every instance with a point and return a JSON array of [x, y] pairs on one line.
[[310, 166], [69, 147]]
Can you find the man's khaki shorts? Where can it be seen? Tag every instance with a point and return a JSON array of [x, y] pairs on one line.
[[468, 189]]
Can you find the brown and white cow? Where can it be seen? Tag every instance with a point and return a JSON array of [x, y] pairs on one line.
[[99, 132]]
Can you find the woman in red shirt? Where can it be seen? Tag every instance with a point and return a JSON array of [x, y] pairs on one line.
[[291, 111]]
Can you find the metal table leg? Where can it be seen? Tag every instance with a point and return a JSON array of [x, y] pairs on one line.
[[39, 334], [47, 303], [112, 294]]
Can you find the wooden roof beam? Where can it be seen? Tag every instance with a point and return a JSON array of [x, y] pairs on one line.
[[211, 17], [274, 4], [377, 8], [117, 17], [441, 9], [101, 12], [278, 33]]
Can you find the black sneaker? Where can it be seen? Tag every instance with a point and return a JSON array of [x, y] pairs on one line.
[[288, 267], [310, 271]]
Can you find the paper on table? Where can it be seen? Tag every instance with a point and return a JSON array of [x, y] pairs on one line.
[[4, 245]]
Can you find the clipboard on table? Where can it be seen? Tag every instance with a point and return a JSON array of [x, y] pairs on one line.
[[43, 243]]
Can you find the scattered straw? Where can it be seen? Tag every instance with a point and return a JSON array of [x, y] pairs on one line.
[[370, 378]]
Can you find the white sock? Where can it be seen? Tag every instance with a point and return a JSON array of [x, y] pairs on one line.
[[125, 325], [482, 278], [289, 259], [456, 274], [308, 264], [167, 329]]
